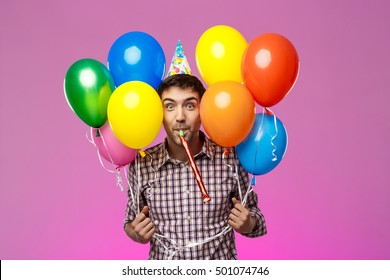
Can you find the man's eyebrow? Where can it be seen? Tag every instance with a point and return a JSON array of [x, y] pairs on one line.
[[168, 99], [174, 101], [191, 98]]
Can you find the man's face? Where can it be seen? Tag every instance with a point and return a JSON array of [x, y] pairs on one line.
[[181, 112]]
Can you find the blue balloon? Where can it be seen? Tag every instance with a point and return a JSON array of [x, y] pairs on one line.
[[264, 147], [136, 56]]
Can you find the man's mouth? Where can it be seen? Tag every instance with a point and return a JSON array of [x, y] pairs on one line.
[[177, 130]]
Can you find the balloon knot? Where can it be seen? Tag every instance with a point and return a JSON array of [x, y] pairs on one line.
[[253, 181], [142, 153], [268, 112], [226, 152], [97, 133]]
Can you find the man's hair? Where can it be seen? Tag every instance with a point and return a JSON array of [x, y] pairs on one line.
[[183, 81]]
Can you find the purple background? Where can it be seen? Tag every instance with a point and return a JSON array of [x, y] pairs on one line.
[[329, 197]]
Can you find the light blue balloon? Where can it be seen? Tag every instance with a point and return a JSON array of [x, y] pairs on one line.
[[136, 56], [265, 146]]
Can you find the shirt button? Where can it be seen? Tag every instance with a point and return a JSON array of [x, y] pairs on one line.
[[188, 218], [157, 191], [187, 191], [218, 187]]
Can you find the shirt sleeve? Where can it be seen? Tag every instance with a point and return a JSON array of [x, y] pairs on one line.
[[132, 193], [252, 203]]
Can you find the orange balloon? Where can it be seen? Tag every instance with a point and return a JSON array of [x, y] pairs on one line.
[[227, 112], [270, 68]]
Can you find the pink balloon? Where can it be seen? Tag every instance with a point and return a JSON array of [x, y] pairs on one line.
[[112, 149]]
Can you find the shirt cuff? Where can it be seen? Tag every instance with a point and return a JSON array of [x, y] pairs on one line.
[[260, 228]]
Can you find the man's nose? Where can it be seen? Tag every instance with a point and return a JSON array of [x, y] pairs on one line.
[[180, 115]]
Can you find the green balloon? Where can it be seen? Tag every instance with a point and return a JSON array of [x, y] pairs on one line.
[[88, 86]]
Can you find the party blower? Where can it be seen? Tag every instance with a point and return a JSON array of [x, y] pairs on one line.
[[206, 198]]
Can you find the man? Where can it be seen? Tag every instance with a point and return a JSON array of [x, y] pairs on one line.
[[173, 217]]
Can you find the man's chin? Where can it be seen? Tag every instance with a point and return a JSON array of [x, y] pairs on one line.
[[175, 139]]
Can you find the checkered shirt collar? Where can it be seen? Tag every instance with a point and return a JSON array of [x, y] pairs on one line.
[[163, 157]]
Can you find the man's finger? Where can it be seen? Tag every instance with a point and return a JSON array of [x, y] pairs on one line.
[[142, 215], [145, 222], [139, 218], [237, 204], [235, 212], [233, 224], [235, 201], [234, 218], [145, 211], [146, 228], [150, 233]]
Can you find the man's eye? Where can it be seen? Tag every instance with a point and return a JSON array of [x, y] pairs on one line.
[[190, 106], [169, 106]]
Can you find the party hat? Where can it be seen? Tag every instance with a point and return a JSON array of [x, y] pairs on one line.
[[179, 64]]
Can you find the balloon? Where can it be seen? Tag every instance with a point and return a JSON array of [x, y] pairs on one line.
[[270, 68], [135, 114], [219, 54], [88, 86], [136, 56], [110, 148], [227, 112], [264, 147]]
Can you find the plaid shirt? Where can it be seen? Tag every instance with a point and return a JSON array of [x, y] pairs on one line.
[[169, 188]]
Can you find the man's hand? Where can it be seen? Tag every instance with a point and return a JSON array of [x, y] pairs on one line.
[[141, 230], [240, 219]]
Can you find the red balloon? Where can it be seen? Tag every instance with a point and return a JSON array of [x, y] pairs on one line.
[[270, 68]]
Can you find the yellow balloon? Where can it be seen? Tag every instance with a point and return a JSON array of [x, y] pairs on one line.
[[135, 114], [219, 54]]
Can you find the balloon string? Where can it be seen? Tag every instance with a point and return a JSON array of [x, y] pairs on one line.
[[238, 181], [105, 147], [248, 190], [170, 251], [119, 181], [98, 153], [259, 134], [275, 157], [258, 137], [130, 189], [138, 167], [234, 171], [174, 248]]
